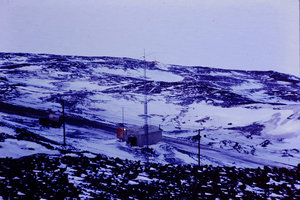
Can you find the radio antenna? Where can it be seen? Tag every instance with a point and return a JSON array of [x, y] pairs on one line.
[[145, 102]]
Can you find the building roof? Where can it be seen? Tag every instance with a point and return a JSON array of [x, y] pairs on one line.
[[139, 130]]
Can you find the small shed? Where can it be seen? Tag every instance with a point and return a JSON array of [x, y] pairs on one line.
[[135, 135]]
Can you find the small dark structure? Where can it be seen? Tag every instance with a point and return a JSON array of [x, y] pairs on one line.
[[53, 120]]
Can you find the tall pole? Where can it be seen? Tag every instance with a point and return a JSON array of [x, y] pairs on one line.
[[145, 103], [64, 121], [123, 116], [123, 121], [199, 147], [299, 37]]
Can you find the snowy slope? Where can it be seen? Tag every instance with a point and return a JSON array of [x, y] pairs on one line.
[[247, 118]]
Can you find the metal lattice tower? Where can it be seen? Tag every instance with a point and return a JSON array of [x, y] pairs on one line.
[[145, 102]]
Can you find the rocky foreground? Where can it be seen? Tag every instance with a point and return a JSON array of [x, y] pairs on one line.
[[85, 176]]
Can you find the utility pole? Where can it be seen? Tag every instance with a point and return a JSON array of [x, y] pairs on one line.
[[199, 147], [123, 116], [64, 121], [123, 123]]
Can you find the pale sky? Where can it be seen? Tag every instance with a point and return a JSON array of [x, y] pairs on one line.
[[231, 34]]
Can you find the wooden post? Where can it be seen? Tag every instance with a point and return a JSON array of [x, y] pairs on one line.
[[199, 147], [123, 116], [64, 121]]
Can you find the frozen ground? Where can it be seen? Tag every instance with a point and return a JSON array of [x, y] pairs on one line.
[[88, 176], [247, 118]]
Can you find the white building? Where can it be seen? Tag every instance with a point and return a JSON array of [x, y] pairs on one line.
[[135, 135]]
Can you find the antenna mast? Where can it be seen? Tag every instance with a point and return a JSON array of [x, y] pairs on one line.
[[64, 121], [123, 116], [146, 101]]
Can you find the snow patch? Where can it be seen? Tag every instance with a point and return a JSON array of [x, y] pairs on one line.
[[19, 148]]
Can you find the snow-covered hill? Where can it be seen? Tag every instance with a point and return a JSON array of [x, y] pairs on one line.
[[247, 118]]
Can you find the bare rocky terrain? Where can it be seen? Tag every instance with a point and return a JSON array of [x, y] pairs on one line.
[[249, 122]]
